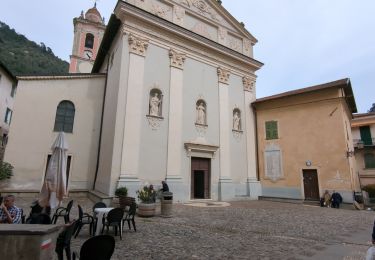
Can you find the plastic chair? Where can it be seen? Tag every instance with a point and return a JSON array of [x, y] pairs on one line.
[[62, 212], [130, 216], [84, 219], [63, 241], [98, 247], [23, 217], [114, 219], [98, 205], [41, 218]]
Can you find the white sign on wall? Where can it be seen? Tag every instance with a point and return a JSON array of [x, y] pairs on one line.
[[273, 169]]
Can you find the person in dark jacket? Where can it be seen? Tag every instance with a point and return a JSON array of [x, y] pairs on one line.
[[336, 199], [165, 186]]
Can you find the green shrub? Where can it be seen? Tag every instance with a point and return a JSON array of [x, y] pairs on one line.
[[121, 191], [6, 170], [370, 189]]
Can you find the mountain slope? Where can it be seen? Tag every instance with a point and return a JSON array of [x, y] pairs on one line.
[[24, 57]]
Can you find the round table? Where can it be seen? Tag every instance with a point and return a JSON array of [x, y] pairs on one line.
[[99, 214]]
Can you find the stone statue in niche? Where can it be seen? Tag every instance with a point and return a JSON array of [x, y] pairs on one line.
[[155, 102], [201, 113], [236, 121]]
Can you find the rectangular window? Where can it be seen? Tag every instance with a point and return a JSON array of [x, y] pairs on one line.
[[8, 116], [14, 88], [271, 130], [369, 160]]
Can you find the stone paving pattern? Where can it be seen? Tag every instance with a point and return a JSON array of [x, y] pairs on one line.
[[243, 230]]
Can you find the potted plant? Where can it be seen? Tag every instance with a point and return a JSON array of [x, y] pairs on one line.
[[147, 197], [122, 194]]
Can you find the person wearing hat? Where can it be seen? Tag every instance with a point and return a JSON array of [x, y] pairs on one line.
[[371, 251]]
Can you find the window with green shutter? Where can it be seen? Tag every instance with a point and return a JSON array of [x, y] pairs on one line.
[[369, 160], [271, 130], [366, 135]]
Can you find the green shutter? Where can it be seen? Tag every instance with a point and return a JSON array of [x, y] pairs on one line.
[[271, 130], [369, 161], [365, 135]]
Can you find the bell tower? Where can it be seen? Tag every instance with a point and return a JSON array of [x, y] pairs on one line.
[[88, 34]]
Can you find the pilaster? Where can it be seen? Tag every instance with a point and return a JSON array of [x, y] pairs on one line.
[[254, 187], [226, 190], [175, 118], [133, 114]]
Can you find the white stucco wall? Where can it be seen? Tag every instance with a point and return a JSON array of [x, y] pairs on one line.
[[113, 117], [31, 134]]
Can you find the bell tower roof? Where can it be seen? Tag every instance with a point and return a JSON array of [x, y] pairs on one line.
[[93, 15]]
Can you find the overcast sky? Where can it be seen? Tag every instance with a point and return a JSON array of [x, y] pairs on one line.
[[301, 42]]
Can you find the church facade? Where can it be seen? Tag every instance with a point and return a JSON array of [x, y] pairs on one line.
[[169, 98]]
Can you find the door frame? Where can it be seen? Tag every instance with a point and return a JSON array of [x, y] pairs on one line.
[[206, 178], [303, 185]]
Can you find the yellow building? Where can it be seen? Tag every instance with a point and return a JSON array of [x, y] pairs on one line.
[[363, 129], [305, 143]]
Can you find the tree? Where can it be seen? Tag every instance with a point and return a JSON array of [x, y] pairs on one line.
[[372, 109]]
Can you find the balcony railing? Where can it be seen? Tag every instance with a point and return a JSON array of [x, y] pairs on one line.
[[359, 143]]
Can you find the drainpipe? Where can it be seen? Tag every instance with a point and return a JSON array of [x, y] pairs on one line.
[[256, 140], [101, 125]]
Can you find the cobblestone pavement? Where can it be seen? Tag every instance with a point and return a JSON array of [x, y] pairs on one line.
[[244, 230]]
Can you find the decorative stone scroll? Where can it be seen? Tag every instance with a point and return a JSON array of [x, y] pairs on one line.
[[154, 121], [179, 14], [160, 11], [177, 59], [247, 46], [201, 129], [248, 84], [137, 45], [223, 75]]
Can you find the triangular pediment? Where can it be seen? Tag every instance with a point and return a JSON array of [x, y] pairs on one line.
[[207, 18], [216, 13]]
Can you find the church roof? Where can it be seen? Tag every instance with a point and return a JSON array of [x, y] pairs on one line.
[[342, 83]]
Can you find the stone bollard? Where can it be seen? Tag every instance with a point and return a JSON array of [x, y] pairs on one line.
[[166, 204]]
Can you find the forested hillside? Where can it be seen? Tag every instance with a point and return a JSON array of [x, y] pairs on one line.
[[24, 57]]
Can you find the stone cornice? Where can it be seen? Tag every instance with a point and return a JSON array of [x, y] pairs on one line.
[[137, 45], [177, 59], [64, 77], [223, 75]]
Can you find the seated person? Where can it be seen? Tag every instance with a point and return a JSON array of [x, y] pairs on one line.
[[165, 186], [9, 213], [336, 199], [327, 199]]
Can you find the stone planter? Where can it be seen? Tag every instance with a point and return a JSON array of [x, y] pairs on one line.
[[146, 209]]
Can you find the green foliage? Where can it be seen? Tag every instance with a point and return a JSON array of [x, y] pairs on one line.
[[6, 170], [147, 194], [24, 57], [370, 188], [372, 109], [121, 192]]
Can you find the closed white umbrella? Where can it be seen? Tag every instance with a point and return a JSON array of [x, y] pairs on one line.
[[54, 186]]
